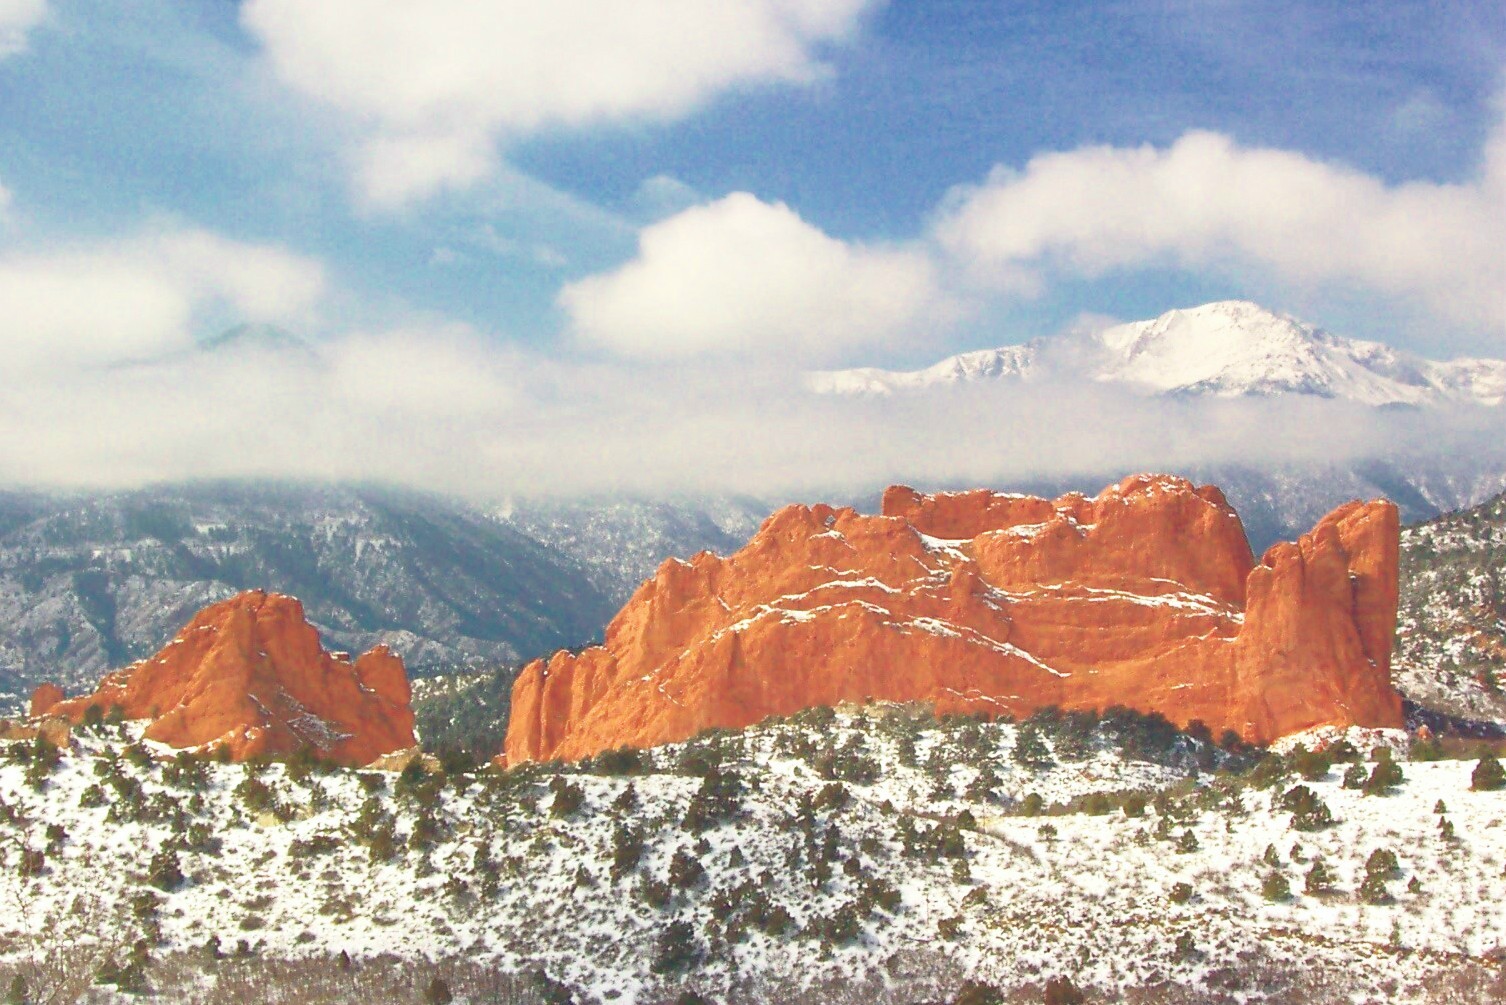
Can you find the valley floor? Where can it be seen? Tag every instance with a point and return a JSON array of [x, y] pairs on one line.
[[875, 855]]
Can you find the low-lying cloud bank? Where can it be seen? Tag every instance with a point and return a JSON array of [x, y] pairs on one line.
[[445, 411], [137, 297]]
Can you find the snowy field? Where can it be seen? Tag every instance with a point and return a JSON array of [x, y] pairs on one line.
[[876, 855]]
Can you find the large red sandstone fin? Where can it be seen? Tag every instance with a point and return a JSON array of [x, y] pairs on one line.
[[992, 603], [249, 674], [1316, 649]]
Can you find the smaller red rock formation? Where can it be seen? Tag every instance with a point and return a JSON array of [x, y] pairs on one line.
[[249, 674], [44, 698]]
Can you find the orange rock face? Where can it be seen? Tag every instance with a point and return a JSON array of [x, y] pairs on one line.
[[44, 698], [249, 674], [1145, 596]]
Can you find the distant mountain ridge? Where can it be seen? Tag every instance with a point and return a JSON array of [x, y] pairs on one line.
[[1229, 348], [621, 540], [91, 582]]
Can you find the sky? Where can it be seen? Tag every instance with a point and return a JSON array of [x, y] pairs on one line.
[[589, 245]]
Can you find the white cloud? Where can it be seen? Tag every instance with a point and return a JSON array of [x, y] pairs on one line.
[[5, 202], [123, 300], [416, 406], [434, 85], [390, 169], [17, 17], [446, 374], [742, 276], [442, 410], [1206, 202]]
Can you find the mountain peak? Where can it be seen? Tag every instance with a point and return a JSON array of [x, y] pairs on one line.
[[1228, 348]]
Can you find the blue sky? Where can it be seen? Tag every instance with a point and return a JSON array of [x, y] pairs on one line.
[[122, 112], [761, 183]]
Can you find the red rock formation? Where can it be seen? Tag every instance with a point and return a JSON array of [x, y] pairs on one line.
[[1146, 596], [249, 673], [44, 698]]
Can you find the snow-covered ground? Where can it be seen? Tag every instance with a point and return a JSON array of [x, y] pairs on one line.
[[1451, 626], [842, 859]]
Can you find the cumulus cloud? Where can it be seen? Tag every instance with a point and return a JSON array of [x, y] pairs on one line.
[[744, 277], [433, 86], [129, 299], [17, 18], [1207, 202]]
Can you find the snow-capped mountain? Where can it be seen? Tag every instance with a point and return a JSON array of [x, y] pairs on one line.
[[1226, 349], [1011, 361]]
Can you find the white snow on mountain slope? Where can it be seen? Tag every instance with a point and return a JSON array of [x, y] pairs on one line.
[[1227, 349], [983, 364]]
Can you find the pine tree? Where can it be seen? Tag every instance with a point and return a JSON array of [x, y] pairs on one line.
[[1373, 890], [1061, 991], [1320, 880], [1384, 777], [1030, 748], [974, 993], [677, 949], [1488, 775], [1380, 867]]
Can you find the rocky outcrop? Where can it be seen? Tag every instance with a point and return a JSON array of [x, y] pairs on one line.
[[249, 674], [44, 699], [55, 731], [1145, 596], [399, 760]]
